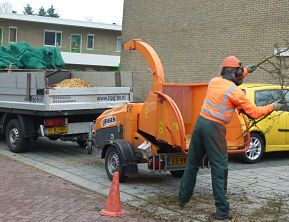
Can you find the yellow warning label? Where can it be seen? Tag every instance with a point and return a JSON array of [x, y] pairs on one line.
[[175, 126], [162, 127], [146, 112]]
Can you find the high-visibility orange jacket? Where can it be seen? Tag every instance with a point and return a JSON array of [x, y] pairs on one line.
[[223, 97]]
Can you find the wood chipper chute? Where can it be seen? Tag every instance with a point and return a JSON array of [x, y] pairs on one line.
[[157, 131]]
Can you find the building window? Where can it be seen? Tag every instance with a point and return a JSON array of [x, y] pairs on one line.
[[1, 36], [118, 44], [90, 41], [12, 34], [52, 38]]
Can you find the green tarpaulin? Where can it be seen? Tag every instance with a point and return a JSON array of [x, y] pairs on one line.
[[23, 56]]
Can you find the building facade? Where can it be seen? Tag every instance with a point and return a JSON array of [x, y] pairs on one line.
[[193, 37], [83, 45]]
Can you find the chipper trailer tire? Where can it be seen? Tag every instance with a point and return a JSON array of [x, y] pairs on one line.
[[158, 131]]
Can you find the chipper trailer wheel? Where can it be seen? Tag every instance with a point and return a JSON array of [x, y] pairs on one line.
[[14, 137], [113, 163]]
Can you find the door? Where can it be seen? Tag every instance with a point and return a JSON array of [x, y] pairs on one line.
[[274, 127], [286, 113], [75, 44]]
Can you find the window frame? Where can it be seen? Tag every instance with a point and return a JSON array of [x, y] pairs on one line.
[[55, 39], [2, 35], [16, 34], [92, 42], [117, 38]]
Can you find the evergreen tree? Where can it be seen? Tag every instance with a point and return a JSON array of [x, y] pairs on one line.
[[51, 12], [28, 10], [41, 12]]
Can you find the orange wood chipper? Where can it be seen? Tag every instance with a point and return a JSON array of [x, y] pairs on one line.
[[158, 131]]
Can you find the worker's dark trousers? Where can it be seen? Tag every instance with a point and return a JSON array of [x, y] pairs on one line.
[[208, 137]]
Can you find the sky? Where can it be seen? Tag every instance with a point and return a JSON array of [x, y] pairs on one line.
[[100, 11]]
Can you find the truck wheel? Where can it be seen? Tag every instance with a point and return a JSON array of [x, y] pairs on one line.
[[113, 163], [81, 143], [14, 137], [177, 173]]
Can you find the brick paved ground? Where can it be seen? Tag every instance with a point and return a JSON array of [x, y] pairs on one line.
[[29, 194], [256, 192]]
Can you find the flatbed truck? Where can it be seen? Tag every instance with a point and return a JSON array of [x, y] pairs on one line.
[[31, 106]]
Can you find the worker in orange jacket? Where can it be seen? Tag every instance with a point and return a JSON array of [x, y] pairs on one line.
[[209, 136]]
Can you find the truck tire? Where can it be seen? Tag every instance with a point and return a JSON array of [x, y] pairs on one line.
[[14, 137], [114, 163], [177, 173]]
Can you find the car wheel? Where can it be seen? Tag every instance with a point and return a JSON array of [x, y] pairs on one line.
[[114, 163], [14, 137], [256, 149], [177, 173]]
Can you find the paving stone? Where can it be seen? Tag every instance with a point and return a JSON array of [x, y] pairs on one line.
[[29, 194], [88, 171]]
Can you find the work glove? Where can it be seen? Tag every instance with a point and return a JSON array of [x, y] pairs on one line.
[[251, 68], [277, 106]]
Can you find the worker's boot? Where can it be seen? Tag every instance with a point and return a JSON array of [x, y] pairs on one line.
[[218, 216]]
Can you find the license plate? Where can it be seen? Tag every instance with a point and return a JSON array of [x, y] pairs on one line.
[[56, 130], [178, 160]]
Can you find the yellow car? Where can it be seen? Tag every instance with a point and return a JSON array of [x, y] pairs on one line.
[[272, 133]]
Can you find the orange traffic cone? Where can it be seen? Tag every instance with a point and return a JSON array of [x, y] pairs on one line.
[[112, 206]]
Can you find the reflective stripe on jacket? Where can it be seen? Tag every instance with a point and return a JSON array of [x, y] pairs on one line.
[[223, 97]]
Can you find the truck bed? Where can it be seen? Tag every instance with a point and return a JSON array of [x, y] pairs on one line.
[[34, 91]]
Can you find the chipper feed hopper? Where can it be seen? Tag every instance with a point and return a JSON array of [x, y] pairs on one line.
[[158, 131]]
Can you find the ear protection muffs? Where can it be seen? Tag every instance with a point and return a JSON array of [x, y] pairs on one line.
[[239, 72], [239, 75]]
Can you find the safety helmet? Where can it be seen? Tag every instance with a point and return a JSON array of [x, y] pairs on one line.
[[231, 61]]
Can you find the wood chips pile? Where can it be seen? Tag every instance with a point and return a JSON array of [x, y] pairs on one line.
[[73, 83]]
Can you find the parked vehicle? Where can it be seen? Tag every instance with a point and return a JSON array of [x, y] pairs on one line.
[[31, 106], [272, 133], [158, 131]]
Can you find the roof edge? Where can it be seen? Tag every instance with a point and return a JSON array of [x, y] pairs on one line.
[[60, 21]]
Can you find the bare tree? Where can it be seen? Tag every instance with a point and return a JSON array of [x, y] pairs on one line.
[[5, 7], [277, 67]]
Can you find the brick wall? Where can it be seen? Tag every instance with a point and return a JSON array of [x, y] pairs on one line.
[[193, 37]]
